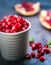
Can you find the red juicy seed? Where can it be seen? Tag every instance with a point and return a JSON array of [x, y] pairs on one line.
[[4, 19], [48, 13], [30, 43], [4, 30], [9, 23], [0, 22], [39, 50], [42, 58], [46, 45], [3, 24], [37, 55], [33, 46], [39, 45], [14, 29], [33, 54], [17, 25], [48, 21], [7, 30], [28, 56], [47, 50], [23, 28], [42, 52], [0, 28]]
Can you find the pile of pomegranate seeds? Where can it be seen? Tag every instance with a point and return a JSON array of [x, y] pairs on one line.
[[48, 18], [41, 50], [28, 6], [12, 24]]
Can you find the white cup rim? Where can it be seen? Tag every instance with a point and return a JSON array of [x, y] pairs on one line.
[[18, 32]]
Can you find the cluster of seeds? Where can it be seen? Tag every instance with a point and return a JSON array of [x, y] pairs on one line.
[[12, 24], [28, 6], [41, 50]]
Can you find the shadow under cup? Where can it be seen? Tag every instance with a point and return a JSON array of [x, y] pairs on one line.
[[14, 45]]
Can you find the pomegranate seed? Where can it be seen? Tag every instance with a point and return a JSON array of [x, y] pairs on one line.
[[7, 30], [31, 43], [23, 28], [39, 45], [39, 50], [33, 54], [37, 55], [46, 45], [3, 24], [44, 48], [28, 56], [42, 52], [47, 50], [33, 46], [42, 58]]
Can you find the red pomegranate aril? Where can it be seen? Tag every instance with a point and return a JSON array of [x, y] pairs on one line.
[[39, 50], [23, 28], [33, 54], [4, 19], [7, 30], [30, 43], [0, 28], [3, 24], [47, 50], [39, 45], [9, 23], [46, 45], [28, 56], [42, 52], [48, 13], [14, 29], [44, 48], [33, 46], [17, 25], [42, 58], [37, 55], [48, 20]]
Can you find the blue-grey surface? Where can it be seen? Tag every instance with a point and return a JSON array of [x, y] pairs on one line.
[[37, 31]]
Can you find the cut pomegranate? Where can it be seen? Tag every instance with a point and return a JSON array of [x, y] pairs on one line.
[[48, 18]]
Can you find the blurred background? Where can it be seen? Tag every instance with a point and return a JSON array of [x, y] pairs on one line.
[[7, 6]]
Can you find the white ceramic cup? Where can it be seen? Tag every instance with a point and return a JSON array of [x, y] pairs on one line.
[[14, 45]]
